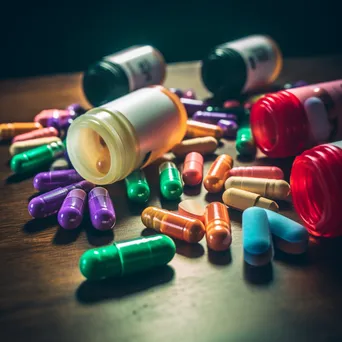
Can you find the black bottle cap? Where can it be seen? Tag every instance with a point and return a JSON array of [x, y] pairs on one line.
[[104, 82], [224, 73]]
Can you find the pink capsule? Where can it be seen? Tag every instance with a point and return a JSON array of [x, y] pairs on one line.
[[231, 104], [47, 114], [36, 134], [270, 172], [193, 169]]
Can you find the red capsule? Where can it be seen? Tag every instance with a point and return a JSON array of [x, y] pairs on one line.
[[193, 169], [270, 172]]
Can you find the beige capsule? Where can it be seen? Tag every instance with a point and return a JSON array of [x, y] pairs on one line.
[[204, 145], [270, 188], [195, 129], [242, 199], [22, 146]]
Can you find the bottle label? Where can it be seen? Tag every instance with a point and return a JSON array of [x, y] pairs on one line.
[[143, 65], [261, 58]]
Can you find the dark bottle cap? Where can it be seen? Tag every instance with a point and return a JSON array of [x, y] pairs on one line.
[[104, 82], [224, 73]]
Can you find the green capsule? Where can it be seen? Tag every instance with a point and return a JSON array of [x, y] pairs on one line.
[[244, 140], [137, 187], [171, 185], [127, 257], [37, 157]]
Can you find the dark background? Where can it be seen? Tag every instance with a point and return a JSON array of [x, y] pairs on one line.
[[67, 36]]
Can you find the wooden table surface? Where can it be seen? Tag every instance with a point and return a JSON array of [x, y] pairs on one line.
[[200, 296]]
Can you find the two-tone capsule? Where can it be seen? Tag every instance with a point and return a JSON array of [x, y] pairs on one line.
[[70, 214], [36, 134], [137, 187], [173, 224], [10, 130], [22, 146], [192, 173], [171, 186], [269, 188], [46, 181], [229, 128], [270, 172], [61, 119], [217, 227], [192, 208], [48, 114], [127, 257], [195, 129], [101, 209], [76, 109], [205, 145], [213, 117], [50, 202], [218, 173], [245, 144], [193, 106]]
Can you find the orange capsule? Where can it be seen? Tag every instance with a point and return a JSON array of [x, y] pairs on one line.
[[10, 130], [217, 227], [193, 169], [173, 224], [270, 172], [195, 129], [218, 173], [36, 134]]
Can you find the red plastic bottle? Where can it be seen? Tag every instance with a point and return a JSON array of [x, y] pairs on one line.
[[288, 122], [316, 187]]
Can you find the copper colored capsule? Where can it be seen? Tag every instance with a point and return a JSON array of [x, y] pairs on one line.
[[10, 130], [193, 169], [217, 227], [218, 173], [197, 129], [173, 224]]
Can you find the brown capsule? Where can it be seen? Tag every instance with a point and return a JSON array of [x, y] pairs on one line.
[[205, 145], [195, 129]]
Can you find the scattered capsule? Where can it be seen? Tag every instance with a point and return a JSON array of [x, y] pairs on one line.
[[192, 208], [36, 134], [270, 172], [256, 237], [189, 94], [244, 141], [205, 145], [173, 224], [76, 108], [10, 130], [46, 181], [101, 209], [213, 117], [138, 189], [229, 128], [218, 173], [195, 129], [288, 235], [295, 84], [47, 114], [171, 186], [177, 91], [70, 214], [22, 146], [37, 157], [192, 173], [104, 161], [61, 119], [242, 199], [269, 188], [239, 111], [231, 104], [217, 227], [49, 203], [127, 257], [59, 164], [192, 106]]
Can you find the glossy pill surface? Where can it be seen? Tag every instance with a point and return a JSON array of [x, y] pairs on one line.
[[288, 235], [22, 146], [173, 224], [242, 199], [213, 117], [43, 116], [218, 173], [192, 173], [137, 187], [192, 106], [10, 130], [217, 227], [269, 188], [37, 157], [127, 257], [256, 237], [101, 209], [205, 145], [189, 94], [195, 129], [61, 119], [59, 164], [270, 172], [49, 203], [46, 181], [229, 128], [245, 144], [171, 186], [38, 133], [70, 214], [76, 109], [192, 208], [240, 112]]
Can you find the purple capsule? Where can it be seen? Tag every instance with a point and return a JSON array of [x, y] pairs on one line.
[[193, 106], [177, 91], [61, 119], [46, 181], [49, 203], [229, 127], [76, 108], [101, 209], [213, 117], [189, 94], [70, 214]]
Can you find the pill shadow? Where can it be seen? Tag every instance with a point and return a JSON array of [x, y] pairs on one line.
[[291, 259], [285, 205], [168, 204], [66, 236], [95, 291], [148, 232], [35, 194], [261, 275], [283, 163], [220, 258], [96, 237], [37, 225], [192, 190], [235, 215], [245, 159], [217, 197], [135, 208], [189, 250], [19, 177]]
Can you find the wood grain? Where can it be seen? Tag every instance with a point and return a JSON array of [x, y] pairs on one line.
[[200, 296]]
